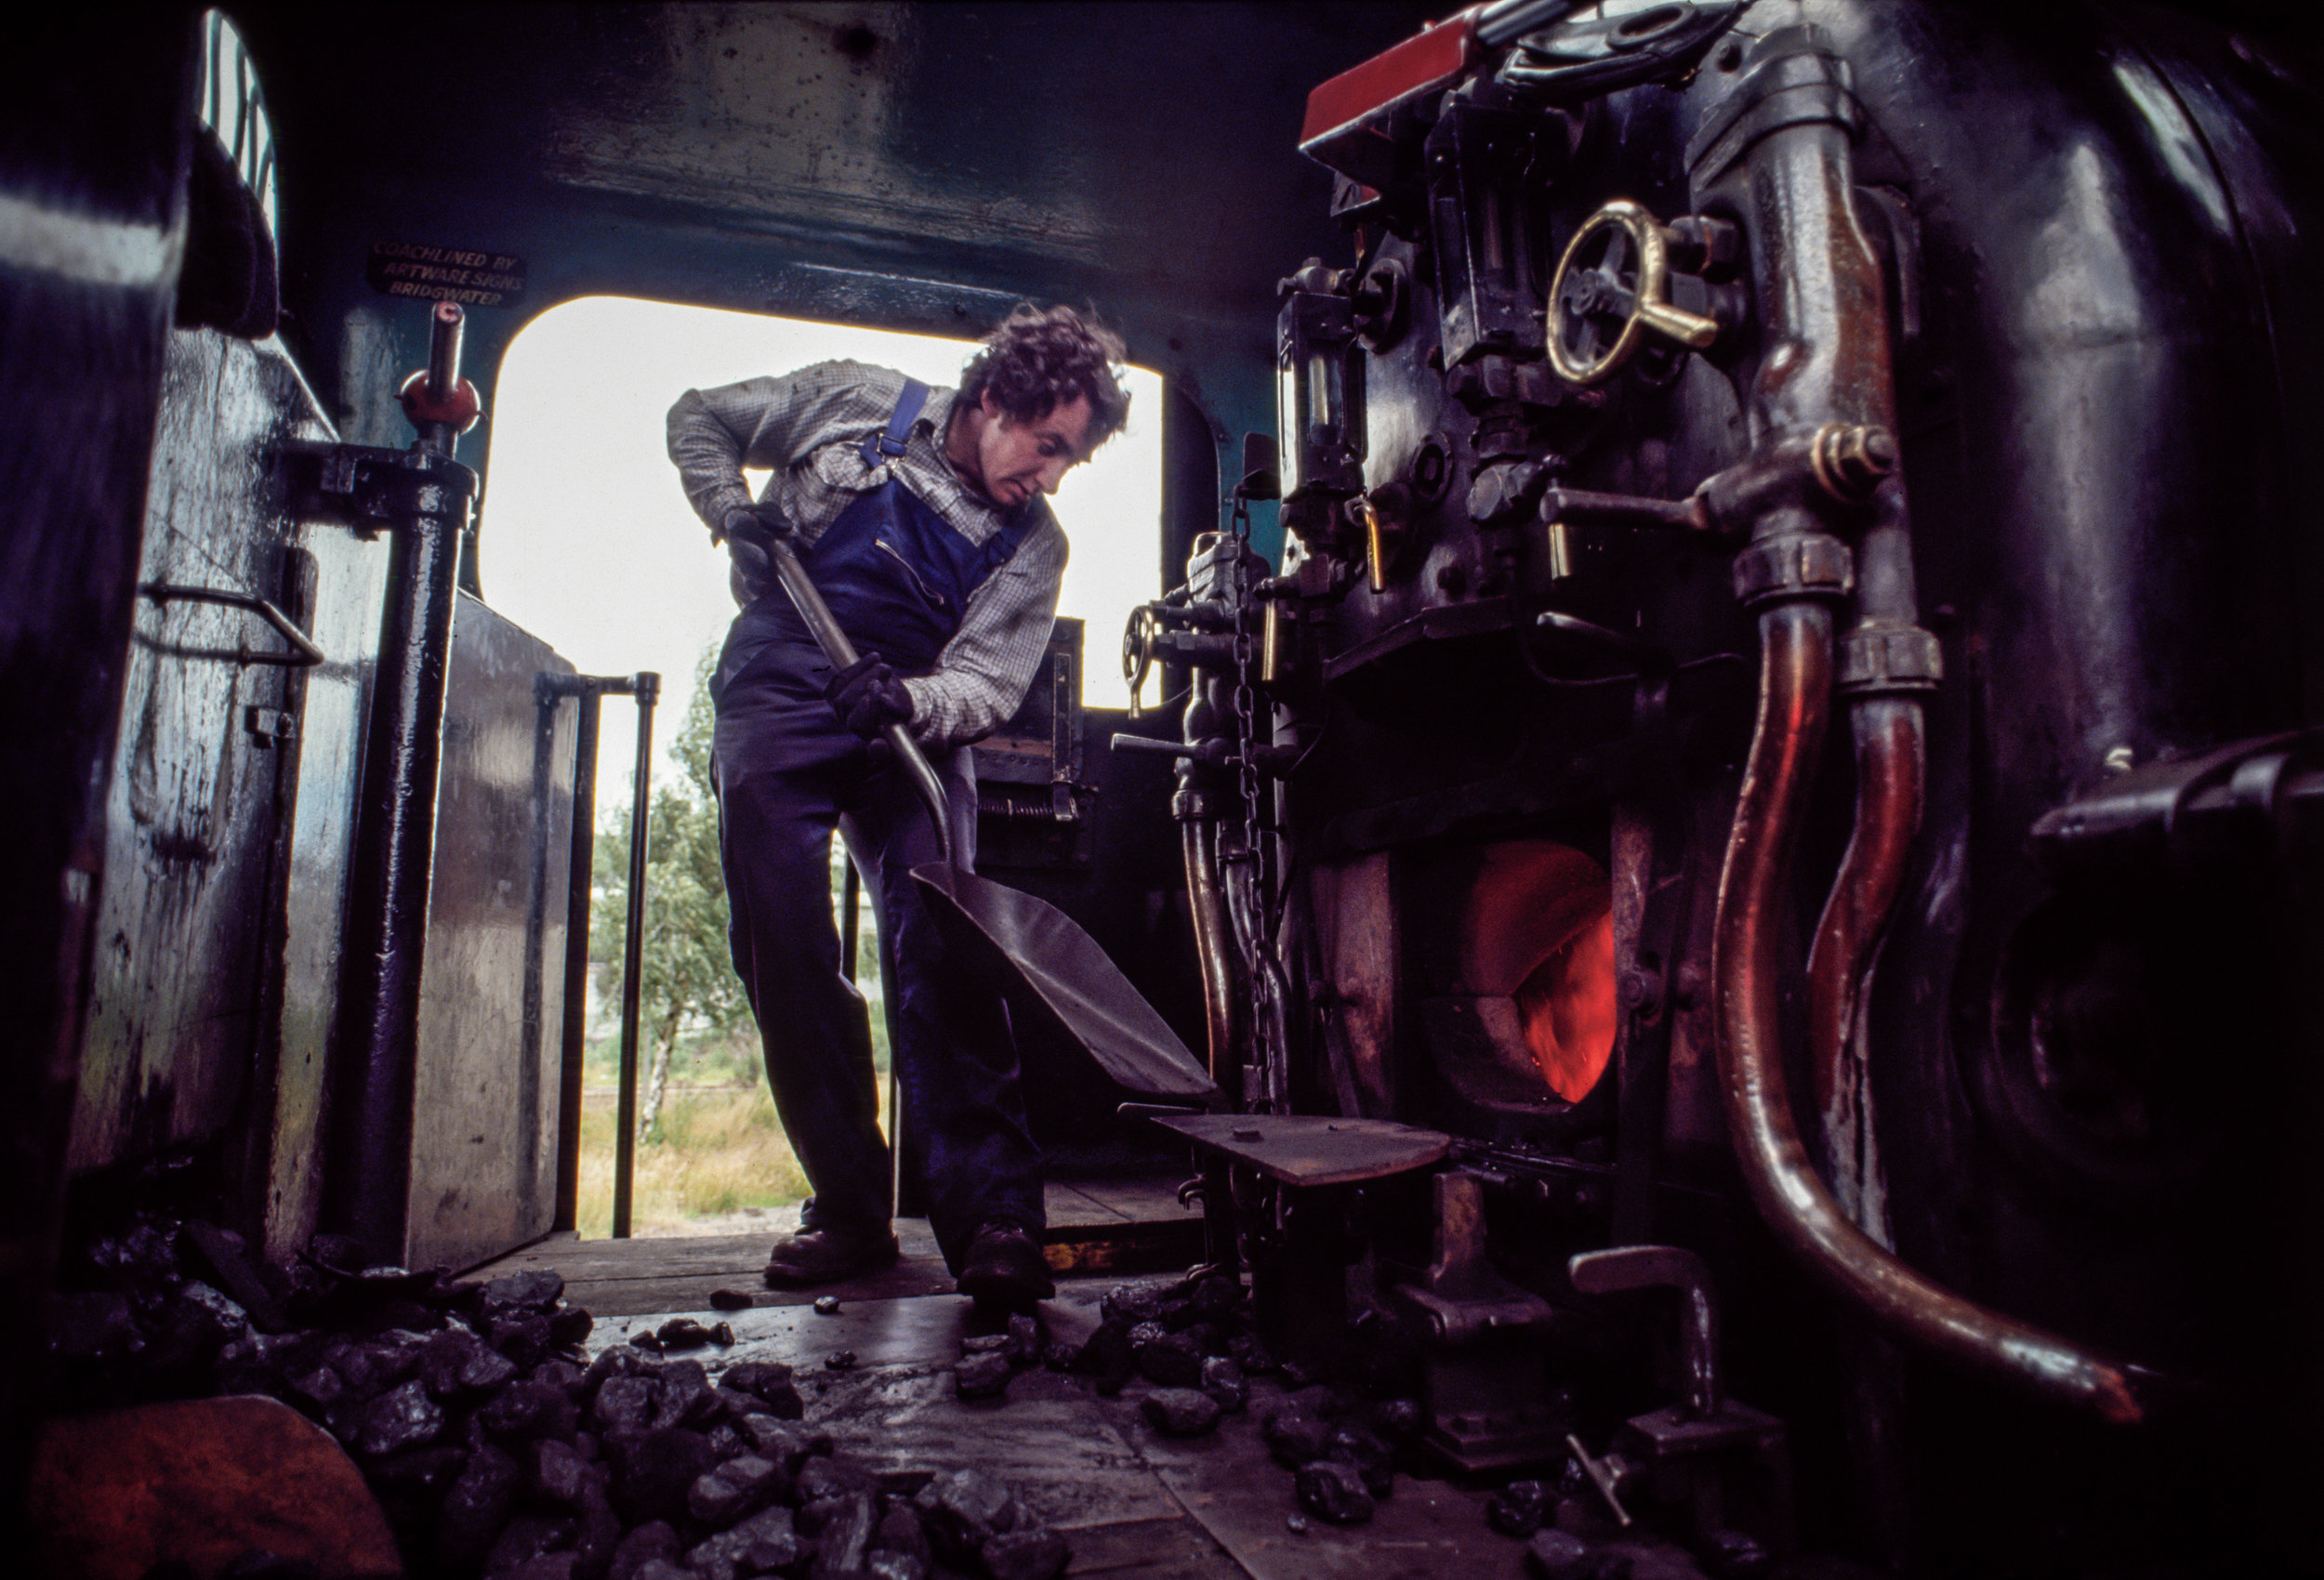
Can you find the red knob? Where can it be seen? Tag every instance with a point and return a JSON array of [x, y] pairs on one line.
[[461, 410]]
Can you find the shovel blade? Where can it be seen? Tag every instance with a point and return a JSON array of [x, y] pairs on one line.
[[1064, 971]]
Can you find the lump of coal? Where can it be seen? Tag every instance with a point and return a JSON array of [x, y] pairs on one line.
[[823, 1478], [1223, 1381], [1556, 1555], [963, 1510], [983, 1377], [901, 1532], [624, 1405], [420, 1473], [536, 1291], [770, 1383], [764, 1544], [1180, 1412], [1295, 1437], [404, 1417], [560, 1476], [682, 1396], [524, 1538], [1374, 1460], [786, 1445], [570, 1324], [1026, 1342], [475, 1508], [1107, 1356], [1398, 1420], [840, 1361], [1033, 1553], [1247, 1353], [92, 1327], [529, 1410], [741, 1486], [548, 1566], [1521, 1508], [844, 1533], [682, 1333], [895, 1566], [1733, 1555], [1335, 1490], [1167, 1360], [456, 1365], [523, 1337], [653, 1541], [827, 1305], [653, 1470], [1128, 1305], [731, 1301]]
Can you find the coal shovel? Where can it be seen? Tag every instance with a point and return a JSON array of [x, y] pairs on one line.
[[1060, 967]]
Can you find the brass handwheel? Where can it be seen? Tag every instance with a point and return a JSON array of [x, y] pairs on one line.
[[1613, 285]]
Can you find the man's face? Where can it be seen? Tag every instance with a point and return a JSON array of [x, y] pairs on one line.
[[1014, 461]]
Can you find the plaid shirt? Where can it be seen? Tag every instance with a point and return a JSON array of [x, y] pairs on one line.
[[808, 428]]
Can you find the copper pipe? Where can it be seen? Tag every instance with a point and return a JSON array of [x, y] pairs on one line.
[[1891, 767], [1794, 708], [1208, 899]]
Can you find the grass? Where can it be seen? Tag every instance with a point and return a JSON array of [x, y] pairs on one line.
[[720, 1150]]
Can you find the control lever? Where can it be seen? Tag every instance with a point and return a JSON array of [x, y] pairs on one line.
[[1654, 1267]]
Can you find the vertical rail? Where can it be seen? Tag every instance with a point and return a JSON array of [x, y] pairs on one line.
[[577, 889], [649, 687], [850, 903]]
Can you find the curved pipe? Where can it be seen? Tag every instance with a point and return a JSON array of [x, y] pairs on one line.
[[1892, 765], [1794, 708], [1198, 837]]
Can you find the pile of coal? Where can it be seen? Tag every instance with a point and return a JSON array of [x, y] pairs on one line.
[[498, 1448], [1343, 1428], [988, 1361]]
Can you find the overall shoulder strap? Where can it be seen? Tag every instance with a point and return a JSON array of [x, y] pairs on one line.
[[1003, 544], [890, 444]]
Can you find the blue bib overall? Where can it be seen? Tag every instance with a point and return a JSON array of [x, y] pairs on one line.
[[898, 577]]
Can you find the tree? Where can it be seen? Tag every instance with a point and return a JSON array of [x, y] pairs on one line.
[[687, 979]]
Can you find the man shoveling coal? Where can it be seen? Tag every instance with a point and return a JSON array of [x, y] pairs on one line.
[[919, 515]]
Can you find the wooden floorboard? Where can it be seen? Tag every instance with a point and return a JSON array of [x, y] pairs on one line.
[[1113, 1229]]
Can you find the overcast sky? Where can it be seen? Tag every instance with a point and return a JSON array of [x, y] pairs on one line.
[[588, 542]]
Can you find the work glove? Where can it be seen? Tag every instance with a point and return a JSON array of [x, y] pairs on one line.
[[868, 696], [754, 524]]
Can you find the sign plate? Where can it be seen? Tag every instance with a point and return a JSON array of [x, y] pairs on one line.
[[465, 275]]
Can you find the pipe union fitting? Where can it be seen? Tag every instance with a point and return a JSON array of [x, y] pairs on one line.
[[1794, 565], [1877, 660]]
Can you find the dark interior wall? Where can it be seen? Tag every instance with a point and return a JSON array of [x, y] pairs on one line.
[[93, 187], [916, 167]]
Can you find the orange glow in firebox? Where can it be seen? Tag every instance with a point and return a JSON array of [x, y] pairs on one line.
[[1540, 930], [1566, 1006]]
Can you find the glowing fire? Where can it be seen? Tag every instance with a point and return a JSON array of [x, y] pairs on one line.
[[1567, 1007], [1540, 929]]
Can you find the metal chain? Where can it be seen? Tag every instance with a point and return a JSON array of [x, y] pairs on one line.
[[1262, 970]]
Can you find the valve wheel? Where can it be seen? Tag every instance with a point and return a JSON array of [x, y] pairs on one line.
[[1613, 285], [1139, 640]]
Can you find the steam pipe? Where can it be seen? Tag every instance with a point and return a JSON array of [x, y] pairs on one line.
[[1892, 763], [1209, 902], [1820, 305]]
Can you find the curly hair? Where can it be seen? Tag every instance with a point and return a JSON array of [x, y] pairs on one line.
[[1036, 361]]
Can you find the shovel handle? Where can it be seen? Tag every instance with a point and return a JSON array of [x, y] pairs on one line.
[[841, 652]]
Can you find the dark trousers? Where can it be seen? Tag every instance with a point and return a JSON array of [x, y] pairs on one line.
[[787, 772]]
